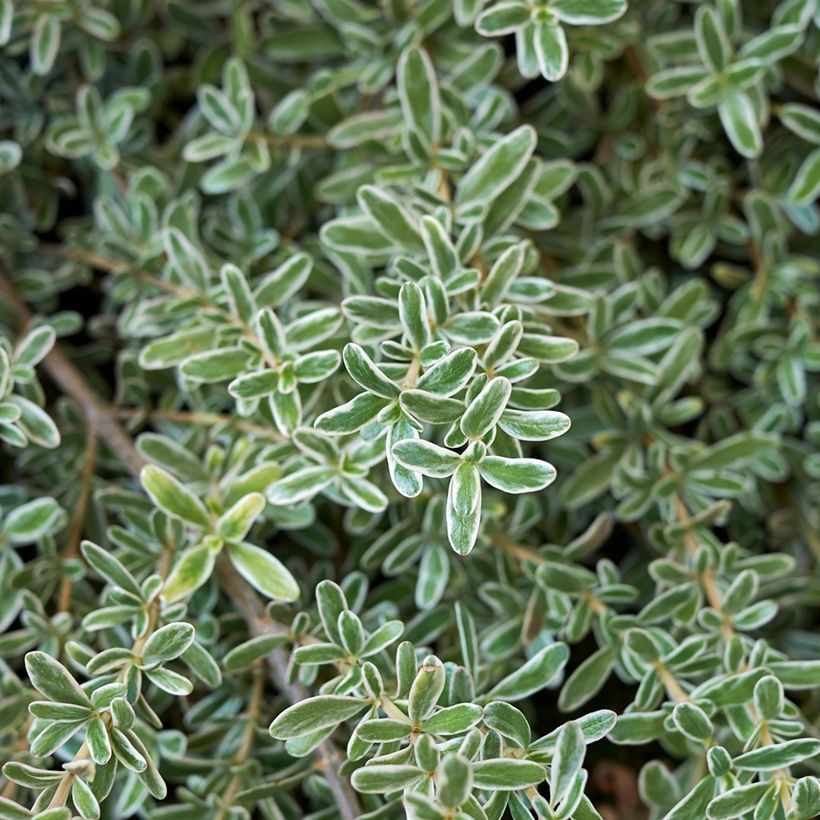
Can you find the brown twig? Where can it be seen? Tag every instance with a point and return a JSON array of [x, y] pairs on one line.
[[246, 744], [78, 517], [66, 375], [707, 578], [252, 610]]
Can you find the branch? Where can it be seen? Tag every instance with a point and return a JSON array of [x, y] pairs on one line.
[[102, 417]]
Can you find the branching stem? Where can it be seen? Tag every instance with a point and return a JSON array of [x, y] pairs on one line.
[[66, 375]]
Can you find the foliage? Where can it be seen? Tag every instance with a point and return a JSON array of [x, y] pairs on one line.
[[409, 409]]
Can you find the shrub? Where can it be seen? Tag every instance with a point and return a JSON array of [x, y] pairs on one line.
[[409, 409]]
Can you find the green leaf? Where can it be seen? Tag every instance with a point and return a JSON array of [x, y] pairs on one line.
[[352, 416], [110, 568], [503, 273], [694, 803], [426, 458], [507, 774], [263, 571], [366, 374], [174, 497], [418, 92], [426, 689], [318, 653], [209, 146], [509, 722], [314, 714], [567, 760], [450, 374], [169, 681], [806, 186], [527, 425], [739, 119], [440, 250], [516, 475], [203, 665], [240, 299], [484, 411], [173, 457], [35, 423], [186, 260], [497, 168], [218, 109], [692, 721], [429, 407], [228, 175], [463, 513], [53, 736], [235, 523], [803, 120], [49, 710], [391, 217], [45, 43], [773, 45], [126, 752], [734, 451], [797, 674], [779, 755], [29, 776], [52, 679], [547, 349], [551, 51], [192, 570], [587, 679], [33, 520], [453, 720], [300, 486], [215, 365], [84, 800], [249, 652], [503, 18], [569, 578], [383, 730], [736, 802], [533, 676], [588, 12], [34, 346], [167, 643], [385, 635], [379, 779], [711, 38], [454, 781], [413, 315], [674, 82], [284, 281], [590, 480]]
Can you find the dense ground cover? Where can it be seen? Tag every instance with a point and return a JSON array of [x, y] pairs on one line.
[[409, 409]]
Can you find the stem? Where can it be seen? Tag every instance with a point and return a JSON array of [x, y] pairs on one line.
[[181, 292], [61, 795], [246, 744], [69, 379], [66, 375], [526, 554], [707, 579], [412, 373], [391, 709], [248, 603], [780, 775], [78, 518], [671, 683]]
